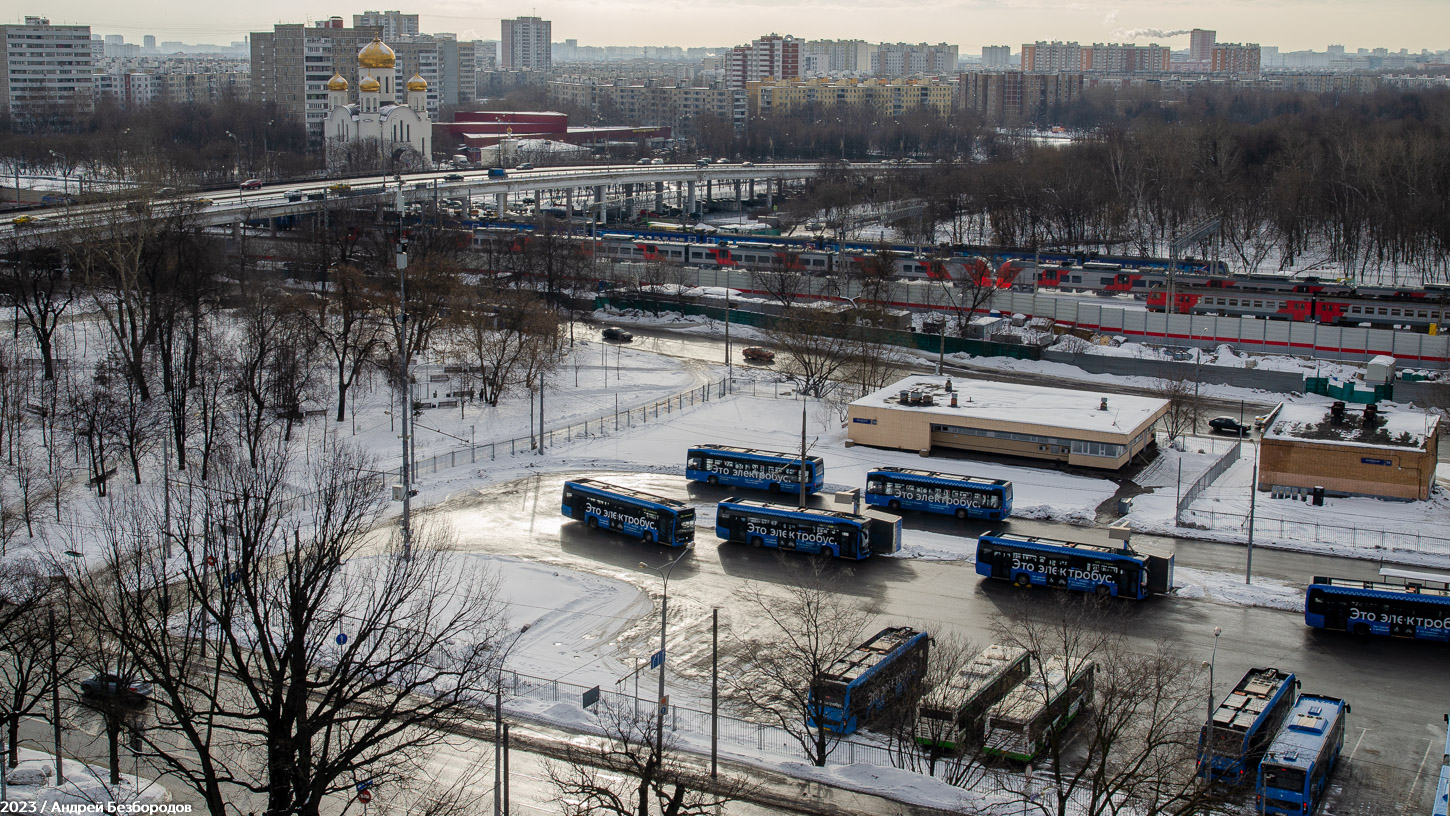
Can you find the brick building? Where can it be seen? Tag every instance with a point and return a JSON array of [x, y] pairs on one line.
[[1350, 452]]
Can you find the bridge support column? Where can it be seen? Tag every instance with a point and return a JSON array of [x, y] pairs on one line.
[[272, 227], [752, 190], [629, 209], [690, 204], [737, 195], [569, 202], [538, 203], [709, 194], [603, 214], [236, 230], [659, 196], [769, 196], [500, 203]]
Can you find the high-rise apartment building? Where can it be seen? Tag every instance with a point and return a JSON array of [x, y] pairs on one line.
[[905, 59], [148, 43], [1200, 44], [526, 44], [770, 57], [996, 56], [1053, 56], [395, 24], [46, 69], [825, 57], [292, 63], [1015, 96], [1113, 58], [1233, 58]]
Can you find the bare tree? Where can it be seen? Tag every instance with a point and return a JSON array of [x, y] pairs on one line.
[[28, 602], [348, 322], [784, 278], [39, 286], [804, 631], [506, 342], [817, 343], [622, 773], [1182, 397]]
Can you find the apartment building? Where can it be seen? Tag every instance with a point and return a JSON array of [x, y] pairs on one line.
[[1233, 58], [769, 57], [1113, 58], [1053, 56], [996, 56], [526, 44], [906, 59], [833, 57], [888, 97], [653, 103], [292, 63], [394, 24], [46, 69], [1200, 44], [1017, 96]]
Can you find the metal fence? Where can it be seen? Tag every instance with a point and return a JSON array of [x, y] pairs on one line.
[[734, 731], [1206, 478], [1368, 538], [586, 428]]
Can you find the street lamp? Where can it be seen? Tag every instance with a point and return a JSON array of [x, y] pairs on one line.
[[1208, 727], [664, 573], [236, 168]]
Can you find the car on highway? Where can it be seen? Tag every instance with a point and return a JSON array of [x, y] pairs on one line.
[[1228, 425], [756, 354], [620, 335], [251, 184], [722, 161], [203, 202], [339, 188], [293, 195], [453, 177], [702, 162], [108, 686], [524, 166], [656, 161], [23, 220]]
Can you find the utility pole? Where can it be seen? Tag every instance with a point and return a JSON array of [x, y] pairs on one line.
[[1253, 496], [801, 475], [729, 367], [406, 472], [714, 691]]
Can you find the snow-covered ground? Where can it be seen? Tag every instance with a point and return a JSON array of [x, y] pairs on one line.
[[33, 780]]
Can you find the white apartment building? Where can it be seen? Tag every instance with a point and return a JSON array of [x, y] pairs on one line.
[[526, 44], [831, 57], [906, 59], [395, 24], [46, 68]]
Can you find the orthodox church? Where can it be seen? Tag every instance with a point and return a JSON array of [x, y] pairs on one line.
[[377, 116]]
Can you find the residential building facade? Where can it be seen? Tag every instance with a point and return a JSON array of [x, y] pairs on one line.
[[46, 69], [1233, 58], [394, 24], [1017, 96], [769, 57], [885, 96], [526, 44]]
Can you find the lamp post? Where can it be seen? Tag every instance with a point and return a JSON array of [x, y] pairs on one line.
[[236, 168], [664, 573], [1208, 725]]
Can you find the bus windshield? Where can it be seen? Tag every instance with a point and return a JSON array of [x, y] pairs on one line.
[[1283, 778]]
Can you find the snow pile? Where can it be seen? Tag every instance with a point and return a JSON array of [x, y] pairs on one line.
[[33, 780]]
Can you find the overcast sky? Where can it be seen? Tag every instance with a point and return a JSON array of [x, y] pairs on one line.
[[1289, 24]]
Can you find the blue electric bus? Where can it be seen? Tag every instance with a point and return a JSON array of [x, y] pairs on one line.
[[949, 717], [865, 680], [785, 527], [632, 512], [1243, 724], [1295, 769], [1408, 610], [932, 492], [1442, 791], [1032, 561], [747, 467]]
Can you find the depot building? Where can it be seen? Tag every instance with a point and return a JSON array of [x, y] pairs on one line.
[[1080, 427], [1349, 451]]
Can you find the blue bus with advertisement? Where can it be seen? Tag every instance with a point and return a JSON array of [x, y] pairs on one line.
[[631, 512], [1243, 724], [1442, 791], [759, 469], [1415, 611], [1120, 572], [965, 497], [808, 530], [1294, 772], [866, 680]]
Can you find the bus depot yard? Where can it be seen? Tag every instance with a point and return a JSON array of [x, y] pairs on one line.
[[585, 611]]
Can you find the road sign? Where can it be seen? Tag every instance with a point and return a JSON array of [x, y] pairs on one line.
[[364, 785], [591, 696], [341, 639], [664, 705], [657, 659], [364, 796]]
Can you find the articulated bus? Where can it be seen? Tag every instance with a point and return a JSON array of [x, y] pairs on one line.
[[632, 512], [950, 715], [1032, 561], [1243, 724], [1023, 724], [759, 469], [1409, 610], [1442, 791], [1296, 767], [829, 532], [932, 492], [866, 679]]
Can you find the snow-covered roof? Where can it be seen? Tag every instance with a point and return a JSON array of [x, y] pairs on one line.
[[1019, 404], [1315, 423]]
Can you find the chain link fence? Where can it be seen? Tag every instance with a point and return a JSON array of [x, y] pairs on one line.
[[1293, 530]]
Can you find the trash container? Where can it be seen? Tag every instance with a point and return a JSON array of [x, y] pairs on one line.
[[1125, 506], [1318, 496]]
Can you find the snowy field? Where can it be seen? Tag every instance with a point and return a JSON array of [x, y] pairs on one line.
[[33, 780]]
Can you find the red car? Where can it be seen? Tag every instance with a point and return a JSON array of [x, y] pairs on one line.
[[756, 354], [252, 184]]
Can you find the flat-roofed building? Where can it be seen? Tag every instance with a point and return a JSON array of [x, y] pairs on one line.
[[1387, 454], [1078, 427]]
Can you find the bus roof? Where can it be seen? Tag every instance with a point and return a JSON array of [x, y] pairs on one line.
[[792, 457], [993, 662], [1250, 698], [605, 487], [932, 474], [757, 504], [1022, 703], [1298, 742], [881, 646], [1124, 551], [1434, 593]]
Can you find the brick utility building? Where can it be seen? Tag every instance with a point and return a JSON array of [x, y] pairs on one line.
[[1073, 426], [1354, 452]]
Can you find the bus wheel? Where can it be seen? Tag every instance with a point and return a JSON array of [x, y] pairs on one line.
[[714, 480], [774, 488], [649, 538], [1361, 629], [1022, 579], [894, 504], [962, 513], [757, 542], [592, 522], [1103, 591]]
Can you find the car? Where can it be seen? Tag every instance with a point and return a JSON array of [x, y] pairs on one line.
[[497, 172], [524, 166], [702, 162], [339, 188], [453, 177], [23, 220], [293, 195], [114, 687], [621, 335], [656, 161], [203, 202], [756, 354], [1229, 425], [747, 164], [643, 161], [722, 161], [251, 184]]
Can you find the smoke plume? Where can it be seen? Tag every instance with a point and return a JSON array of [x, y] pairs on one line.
[[1156, 33]]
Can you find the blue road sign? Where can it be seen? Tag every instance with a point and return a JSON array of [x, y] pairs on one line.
[[341, 639], [591, 696], [657, 659]]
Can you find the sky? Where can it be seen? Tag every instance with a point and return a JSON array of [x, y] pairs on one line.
[[971, 24]]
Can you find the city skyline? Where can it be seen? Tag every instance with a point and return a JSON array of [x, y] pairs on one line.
[[1291, 26]]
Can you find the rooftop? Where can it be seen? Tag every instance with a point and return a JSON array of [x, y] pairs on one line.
[[1384, 428], [1019, 404]]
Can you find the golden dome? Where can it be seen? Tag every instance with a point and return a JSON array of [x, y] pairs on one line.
[[337, 83], [417, 83], [369, 85], [376, 55]]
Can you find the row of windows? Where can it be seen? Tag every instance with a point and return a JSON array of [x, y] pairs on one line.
[[1008, 435], [1388, 311], [1088, 448]]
